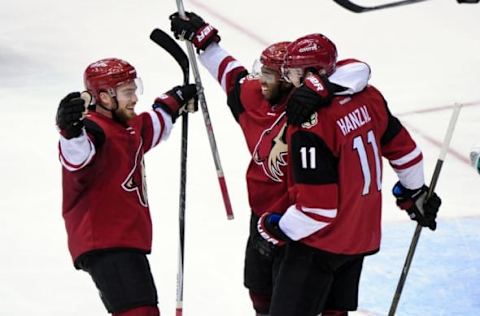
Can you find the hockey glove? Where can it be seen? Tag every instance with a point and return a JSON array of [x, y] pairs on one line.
[[194, 30], [70, 114], [315, 92], [268, 227], [418, 207], [257, 242], [177, 101]]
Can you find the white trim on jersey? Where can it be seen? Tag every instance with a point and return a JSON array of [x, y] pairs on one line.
[[157, 125], [231, 65], [212, 58], [412, 177], [353, 76], [296, 225], [407, 158], [76, 153], [330, 213]]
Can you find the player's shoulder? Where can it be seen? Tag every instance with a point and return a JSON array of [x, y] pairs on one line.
[[250, 89], [250, 80]]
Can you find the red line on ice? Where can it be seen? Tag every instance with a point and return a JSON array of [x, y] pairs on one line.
[[226, 20]]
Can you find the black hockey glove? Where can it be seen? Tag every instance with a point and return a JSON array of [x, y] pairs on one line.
[[70, 115], [256, 241], [315, 92], [420, 209], [268, 227], [194, 30], [177, 101]]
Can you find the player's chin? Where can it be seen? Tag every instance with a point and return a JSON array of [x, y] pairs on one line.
[[267, 94], [131, 114], [127, 115]]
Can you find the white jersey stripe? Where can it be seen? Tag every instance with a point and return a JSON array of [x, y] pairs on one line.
[[168, 124], [157, 128], [330, 213], [212, 57], [231, 65], [412, 177], [407, 158], [76, 153], [296, 225]]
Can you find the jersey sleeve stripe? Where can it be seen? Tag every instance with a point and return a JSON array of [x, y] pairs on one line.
[[413, 177], [166, 124], [410, 163], [223, 66], [414, 154], [212, 57], [297, 225], [330, 213], [157, 127], [228, 72], [76, 153], [219, 64]]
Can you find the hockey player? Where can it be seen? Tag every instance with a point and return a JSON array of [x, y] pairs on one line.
[[105, 203], [336, 170], [257, 103]]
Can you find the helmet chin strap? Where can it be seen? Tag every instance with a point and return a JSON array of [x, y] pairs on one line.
[[110, 110]]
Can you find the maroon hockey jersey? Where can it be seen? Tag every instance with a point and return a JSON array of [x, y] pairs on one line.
[[336, 170], [104, 194], [263, 123]]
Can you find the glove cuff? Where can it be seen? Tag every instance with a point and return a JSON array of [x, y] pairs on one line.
[[169, 104], [319, 85], [269, 229], [204, 36], [73, 131]]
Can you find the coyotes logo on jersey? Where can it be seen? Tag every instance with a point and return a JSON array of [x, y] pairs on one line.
[[271, 149], [135, 180]]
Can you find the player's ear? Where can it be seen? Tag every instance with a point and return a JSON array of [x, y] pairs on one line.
[[105, 99]]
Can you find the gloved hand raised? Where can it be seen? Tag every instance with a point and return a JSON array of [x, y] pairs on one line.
[[315, 92], [268, 227], [178, 100], [194, 30], [70, 113], [418, 207]]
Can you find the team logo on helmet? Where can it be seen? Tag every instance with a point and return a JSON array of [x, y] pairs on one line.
[[135, 181], [271, 150]]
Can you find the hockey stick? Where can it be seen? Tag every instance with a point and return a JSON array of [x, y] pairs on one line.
[[167, 43], [349, 5], [208, 123], [418, 229]]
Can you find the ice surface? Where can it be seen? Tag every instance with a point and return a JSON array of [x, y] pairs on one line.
[[423, 56]]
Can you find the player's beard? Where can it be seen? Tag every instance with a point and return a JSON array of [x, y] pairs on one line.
[[124, 114], [279, 92]]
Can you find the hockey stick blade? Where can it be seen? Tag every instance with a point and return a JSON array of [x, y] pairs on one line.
[[349, 5], [166, 42]]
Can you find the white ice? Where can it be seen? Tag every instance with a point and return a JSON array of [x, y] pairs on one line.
[[423, 56]]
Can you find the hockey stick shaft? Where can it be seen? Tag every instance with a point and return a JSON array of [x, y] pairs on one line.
[[181, 211], [349, 5], [167, 43], [208, 123], [418, 229]]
